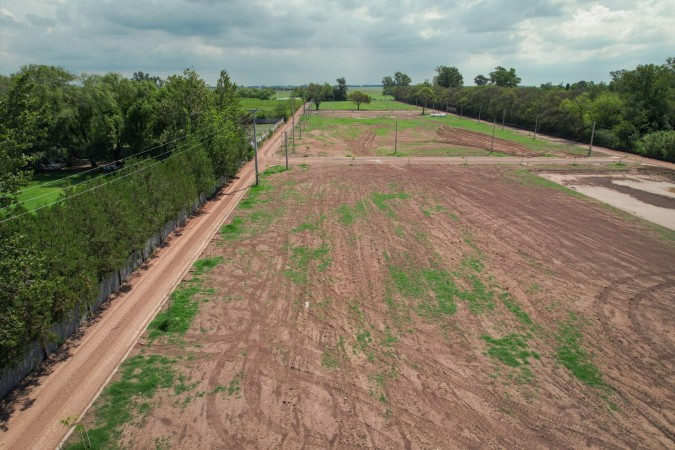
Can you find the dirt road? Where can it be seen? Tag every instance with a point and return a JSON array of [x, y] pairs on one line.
[[71, 384], [498, 160]]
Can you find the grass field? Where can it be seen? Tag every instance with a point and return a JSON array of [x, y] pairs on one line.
[[376, 105], [45, 187]]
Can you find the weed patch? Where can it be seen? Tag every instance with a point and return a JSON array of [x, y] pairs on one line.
[[513, 306], [206, 264], [300, 260], [574, 357], [178, 316], [382, 201], [511, 350], [122, 401], [233, 229], [527, 178]]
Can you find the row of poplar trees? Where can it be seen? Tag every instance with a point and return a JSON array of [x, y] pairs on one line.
[[177, 137]]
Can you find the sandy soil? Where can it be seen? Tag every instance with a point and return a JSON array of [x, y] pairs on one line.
[[651, 197], [338, 350], [70, 380]]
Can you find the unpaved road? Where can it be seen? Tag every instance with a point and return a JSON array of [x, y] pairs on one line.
[[32, 420], [435, 160]]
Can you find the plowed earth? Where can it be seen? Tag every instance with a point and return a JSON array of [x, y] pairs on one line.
[[457, 136], [423, 307]]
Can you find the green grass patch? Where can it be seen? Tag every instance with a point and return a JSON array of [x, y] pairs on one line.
[[512, 350], [573, 356], [126, 399], [512, 305], [375, 105], [332, 357], [302, 257], [310, 226], [178, 316], [348, 214], [527, 178], [46, 187], [233, 229], [205, 265], [382, 201]]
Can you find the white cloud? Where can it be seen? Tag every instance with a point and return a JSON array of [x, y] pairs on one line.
[[295, 41]]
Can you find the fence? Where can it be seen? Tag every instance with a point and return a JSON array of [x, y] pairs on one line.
[[10, 377]]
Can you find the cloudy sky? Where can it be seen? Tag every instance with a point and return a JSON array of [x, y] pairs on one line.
[[297, 41]]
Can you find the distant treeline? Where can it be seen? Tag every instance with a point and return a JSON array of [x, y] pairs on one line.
[[52, 260], [635, 111]]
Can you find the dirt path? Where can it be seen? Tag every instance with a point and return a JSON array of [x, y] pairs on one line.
[[73, 382], [435, 160]]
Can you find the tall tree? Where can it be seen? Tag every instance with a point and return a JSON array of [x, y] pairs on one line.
[[359, 97], [340, 91], [448, 77], [481, 80], [504, 78]]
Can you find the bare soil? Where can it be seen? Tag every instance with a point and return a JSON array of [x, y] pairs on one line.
[[458, 136], [320, 322], [647, 195]]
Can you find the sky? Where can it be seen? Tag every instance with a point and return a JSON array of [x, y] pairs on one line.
[[290, 42]]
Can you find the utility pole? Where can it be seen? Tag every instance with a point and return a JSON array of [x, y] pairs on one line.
[[255, 147], [461, 112], [396, 137], [293, 121], [590, 147], [503, 117], [536, 125], [480, 109], [492, 144], [286, 145]]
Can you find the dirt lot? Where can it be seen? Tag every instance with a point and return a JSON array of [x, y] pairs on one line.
[[375, 133], [417, 307], [650, 195]]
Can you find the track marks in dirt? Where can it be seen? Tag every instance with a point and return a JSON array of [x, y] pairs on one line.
[[467, 138], [420, 382]]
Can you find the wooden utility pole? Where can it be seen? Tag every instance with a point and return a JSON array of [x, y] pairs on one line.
[[492, 144], [255, 147], [590, 147], [396, 137]]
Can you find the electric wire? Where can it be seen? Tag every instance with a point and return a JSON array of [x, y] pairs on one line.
[[239, 122], [105, 183]]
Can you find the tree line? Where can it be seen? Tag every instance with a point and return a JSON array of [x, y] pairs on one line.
[[52, 260], [635, 111]]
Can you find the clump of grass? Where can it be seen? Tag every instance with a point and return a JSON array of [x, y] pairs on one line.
[[332, 357], [382, 201], [527, 178], [233, 229], [235, 385], [204, 265], [511, 350], [574, 357], [123, 400], [363, 340], [512, 305], [178, 316], [301, 258], [347, 214]]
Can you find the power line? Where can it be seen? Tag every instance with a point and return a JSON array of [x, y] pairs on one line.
[[242, 120], [100, 185], [113, 162]]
